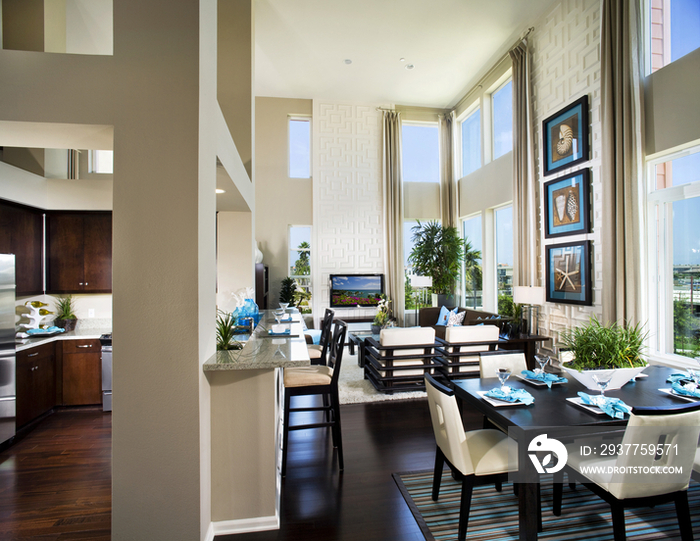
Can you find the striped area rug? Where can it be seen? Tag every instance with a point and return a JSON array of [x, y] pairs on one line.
[[494, 515]]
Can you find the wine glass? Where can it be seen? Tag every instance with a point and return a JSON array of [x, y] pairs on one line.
[[542, 360], [602, 380], [284, 305], [503, 375], [278, 316]]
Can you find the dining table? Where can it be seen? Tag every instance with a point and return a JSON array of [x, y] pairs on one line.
[[552, 413]]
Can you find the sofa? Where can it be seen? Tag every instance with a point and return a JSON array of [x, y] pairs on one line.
[[427, 317]]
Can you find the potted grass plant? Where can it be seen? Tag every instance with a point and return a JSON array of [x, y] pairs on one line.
[[65, 313], [226, 329], [598, 349]]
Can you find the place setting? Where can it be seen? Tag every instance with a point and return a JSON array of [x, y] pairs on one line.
[[282, 328], [506, 395], [539, 377], [601, 404], [684, 386]]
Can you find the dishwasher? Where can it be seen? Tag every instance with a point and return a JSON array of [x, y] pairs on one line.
[[106, 341]]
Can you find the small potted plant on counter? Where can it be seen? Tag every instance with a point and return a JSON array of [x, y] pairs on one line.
[[65, 313], [599, 349], [226, 330]]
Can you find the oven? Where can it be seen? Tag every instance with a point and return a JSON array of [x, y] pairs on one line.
[[106, 341]]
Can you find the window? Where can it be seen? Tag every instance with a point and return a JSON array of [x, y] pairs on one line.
[[101, 161], [503, 120], [299, 147], [421, 152], [471, 232], [504, 252], [675, 254], [471, 142], [674, 30], [300, 259]]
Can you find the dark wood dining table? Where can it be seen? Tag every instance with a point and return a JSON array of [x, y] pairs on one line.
[[550, 412]]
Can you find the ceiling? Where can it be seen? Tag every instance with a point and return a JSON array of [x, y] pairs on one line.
[[301, 47]]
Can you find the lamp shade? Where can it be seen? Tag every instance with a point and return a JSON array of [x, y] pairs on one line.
[[421, 281], [534, 296]]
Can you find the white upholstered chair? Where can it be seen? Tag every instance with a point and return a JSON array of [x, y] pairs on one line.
[[490, 363], [678, 427], [461, 359], [476, 456]]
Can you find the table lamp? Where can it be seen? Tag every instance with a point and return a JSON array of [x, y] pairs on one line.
[[530, 296], [421, 283]]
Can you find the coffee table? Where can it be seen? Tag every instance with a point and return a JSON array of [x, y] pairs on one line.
[[357, 339]]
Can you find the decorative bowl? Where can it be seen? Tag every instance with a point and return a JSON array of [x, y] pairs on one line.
[[619, 378]]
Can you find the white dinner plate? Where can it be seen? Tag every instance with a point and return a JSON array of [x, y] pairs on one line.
[[676, 395], [536, 382], [498, 403], [578, 401]]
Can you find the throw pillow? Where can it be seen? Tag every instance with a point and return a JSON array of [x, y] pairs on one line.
[[455, 319], [444, 315]]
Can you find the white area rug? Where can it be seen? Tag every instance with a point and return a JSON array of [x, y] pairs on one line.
[[354, 389]]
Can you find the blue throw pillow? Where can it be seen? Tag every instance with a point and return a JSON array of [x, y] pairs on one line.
[[445, 315]]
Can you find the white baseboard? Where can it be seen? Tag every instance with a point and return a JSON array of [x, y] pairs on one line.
[[245, 525]]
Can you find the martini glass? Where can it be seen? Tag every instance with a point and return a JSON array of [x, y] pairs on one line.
[[503, 375], [542, 360], [602, 380]]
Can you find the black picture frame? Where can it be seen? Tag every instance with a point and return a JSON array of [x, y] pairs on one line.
[[568, 275], [565, 137], [567, 204]]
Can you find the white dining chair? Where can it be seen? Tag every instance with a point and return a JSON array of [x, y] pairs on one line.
[[490, 363]]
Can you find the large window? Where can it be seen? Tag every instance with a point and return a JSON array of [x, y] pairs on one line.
[[471, 142], [675, 254], [503, 120], [299, 147], [421, 152], [101, 161], [300, 259], [674, 30], [504, 252], [473, 276]]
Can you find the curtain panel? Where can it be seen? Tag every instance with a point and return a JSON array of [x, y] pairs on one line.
[[524, 226], [393, 212], [448, 186], [622, 169]]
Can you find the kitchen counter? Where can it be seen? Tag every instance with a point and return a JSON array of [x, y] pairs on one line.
[[77, 334], [262, 352]]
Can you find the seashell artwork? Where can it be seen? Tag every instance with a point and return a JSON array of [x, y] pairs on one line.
[[560, 202], [571, 207], [566, 137]]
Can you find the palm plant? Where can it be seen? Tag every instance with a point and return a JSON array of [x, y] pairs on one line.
[[472, 266], [438, 252]]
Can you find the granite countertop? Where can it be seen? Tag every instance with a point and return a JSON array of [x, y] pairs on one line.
[[262, 352], [81, 332]]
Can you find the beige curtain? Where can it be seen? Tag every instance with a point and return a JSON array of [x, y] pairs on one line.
[[524, 227], [393, 211], [621, 118], [448, 188]]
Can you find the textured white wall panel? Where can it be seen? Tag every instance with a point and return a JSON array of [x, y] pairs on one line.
[[347, 190], [566, 65]]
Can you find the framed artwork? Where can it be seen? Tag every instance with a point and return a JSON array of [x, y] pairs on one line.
[[569, 273], [565, 137], [567, 204]]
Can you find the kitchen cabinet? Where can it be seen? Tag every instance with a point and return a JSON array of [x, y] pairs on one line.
[[82, 373], [79, 252], [36, 382], [22, 234]]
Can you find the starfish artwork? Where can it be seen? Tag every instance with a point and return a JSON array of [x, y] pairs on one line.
[[567, 272]]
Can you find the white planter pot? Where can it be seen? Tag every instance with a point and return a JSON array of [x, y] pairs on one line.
[[620, 376]]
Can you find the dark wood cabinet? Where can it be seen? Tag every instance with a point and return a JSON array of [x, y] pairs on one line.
[[36, 383], [79, 252], [22, 234], [82, 373], [261, 285]]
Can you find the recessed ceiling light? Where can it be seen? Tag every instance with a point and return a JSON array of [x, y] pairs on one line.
[[402, 60], [409, 66], [348, 61], [219, 190]]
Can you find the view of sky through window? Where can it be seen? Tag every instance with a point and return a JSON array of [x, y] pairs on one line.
[[299, 148], [471, 143], [503, 120], [421, 153]]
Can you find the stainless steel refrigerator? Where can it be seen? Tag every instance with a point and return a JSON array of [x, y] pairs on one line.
[[7, 347]]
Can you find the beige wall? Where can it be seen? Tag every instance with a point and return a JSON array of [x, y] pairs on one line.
[[235, 258], [23, 25], [672, 115], [421, 200], [281, 201]]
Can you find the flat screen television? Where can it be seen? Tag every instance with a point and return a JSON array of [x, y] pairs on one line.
[[356, 290]]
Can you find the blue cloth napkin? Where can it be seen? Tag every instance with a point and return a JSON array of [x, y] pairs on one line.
[[614, 407], [677, 377], [286, 331], [685, 390], [48, 330], [545, 377], [515, 395]]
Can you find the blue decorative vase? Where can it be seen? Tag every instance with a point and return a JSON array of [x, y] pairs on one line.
[[249, 310]]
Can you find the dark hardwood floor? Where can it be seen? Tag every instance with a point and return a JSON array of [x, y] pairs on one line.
[[55, 483]]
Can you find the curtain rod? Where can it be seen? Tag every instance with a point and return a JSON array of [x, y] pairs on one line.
[[498, 63]]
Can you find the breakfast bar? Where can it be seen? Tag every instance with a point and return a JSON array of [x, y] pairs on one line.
[[246, 429]]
